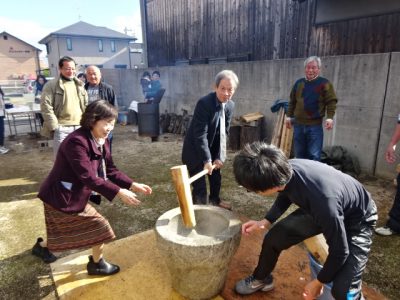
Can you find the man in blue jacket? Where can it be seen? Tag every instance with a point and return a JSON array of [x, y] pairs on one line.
[[330, 202], [204, 146]]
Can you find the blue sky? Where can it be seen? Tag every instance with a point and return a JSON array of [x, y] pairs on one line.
[[31, 21]]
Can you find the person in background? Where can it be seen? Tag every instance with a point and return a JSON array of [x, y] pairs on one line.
[[393, 223], [204, 146], [311, 98], [82, 77], [63, 102], [40, 82], [84, 164], [3, 150], [145, 82], [155, 86], [97, 89], [329, 202]]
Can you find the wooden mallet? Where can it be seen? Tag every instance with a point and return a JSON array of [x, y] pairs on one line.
[[182, 181]]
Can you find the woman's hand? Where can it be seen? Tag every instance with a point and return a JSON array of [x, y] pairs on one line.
[[128, 197], [141, 188], [250, 226]]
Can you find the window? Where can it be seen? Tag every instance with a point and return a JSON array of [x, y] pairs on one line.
[[69, 44], [112, 46], [5, 37], [100, 45], [120, 66], [48, 48]]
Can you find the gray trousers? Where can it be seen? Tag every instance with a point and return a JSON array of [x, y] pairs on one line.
[[60, 134], [299, 226]]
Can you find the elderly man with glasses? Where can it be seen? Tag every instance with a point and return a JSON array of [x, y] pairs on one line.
[[63, 102]]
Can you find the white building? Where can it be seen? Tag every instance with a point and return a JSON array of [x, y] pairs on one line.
[[92, 45]]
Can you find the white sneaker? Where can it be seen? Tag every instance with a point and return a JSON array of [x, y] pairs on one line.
[[3, 150], [386, 231]]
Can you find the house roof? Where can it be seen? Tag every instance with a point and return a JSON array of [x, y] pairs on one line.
[[6, 33], [83, 29]]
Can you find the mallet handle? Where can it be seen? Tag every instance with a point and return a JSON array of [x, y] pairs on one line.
[[200, 174]]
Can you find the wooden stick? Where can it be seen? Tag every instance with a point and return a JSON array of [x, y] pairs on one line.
[[281, 120], [289, 141], [275, 132], [278, 128], [198, 175], [283, 136], [180, 177]]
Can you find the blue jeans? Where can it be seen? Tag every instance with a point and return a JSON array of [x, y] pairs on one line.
[[308, 141]]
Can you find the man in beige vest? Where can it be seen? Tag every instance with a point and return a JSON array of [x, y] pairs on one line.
[[63, 102]]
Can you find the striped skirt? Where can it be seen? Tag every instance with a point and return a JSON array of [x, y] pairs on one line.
[[78, 230]]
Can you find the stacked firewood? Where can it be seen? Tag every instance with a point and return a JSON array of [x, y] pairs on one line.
[[173, 123], [282, 136]]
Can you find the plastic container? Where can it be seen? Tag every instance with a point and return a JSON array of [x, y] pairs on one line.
[[315, 267], [123, 117]]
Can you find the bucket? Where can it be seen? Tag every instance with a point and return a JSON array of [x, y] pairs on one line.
[[315, 267], [123, 117]]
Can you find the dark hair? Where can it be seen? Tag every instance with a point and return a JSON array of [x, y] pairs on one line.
[[65, 58], [260, 167], [96, 111], [81, 75], [41, 76], [156, 72], [145, 74]]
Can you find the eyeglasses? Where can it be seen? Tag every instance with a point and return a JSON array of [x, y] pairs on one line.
[[69, 69]]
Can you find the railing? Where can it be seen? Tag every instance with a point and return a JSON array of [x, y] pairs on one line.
[[13, 86]]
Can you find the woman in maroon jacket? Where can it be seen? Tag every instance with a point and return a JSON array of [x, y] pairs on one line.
[[84, 170]]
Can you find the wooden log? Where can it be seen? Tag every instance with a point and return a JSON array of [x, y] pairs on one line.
[[251, 117]]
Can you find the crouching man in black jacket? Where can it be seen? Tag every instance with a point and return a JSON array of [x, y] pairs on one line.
[[330, 202]]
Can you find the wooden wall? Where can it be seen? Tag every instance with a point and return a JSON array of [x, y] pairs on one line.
[[200, 31]]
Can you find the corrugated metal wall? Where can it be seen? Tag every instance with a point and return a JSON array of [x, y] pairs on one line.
[[200, 31]]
